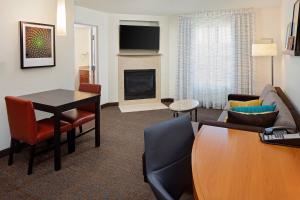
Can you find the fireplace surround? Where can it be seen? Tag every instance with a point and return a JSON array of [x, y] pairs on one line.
[[143, 63]]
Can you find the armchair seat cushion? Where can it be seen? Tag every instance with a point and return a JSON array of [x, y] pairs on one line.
[[78, 117], [45, 129]]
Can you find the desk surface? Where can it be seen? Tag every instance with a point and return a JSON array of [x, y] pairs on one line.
[[234, 164]]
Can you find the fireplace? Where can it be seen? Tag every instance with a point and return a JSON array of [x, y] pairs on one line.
[[139, 84]]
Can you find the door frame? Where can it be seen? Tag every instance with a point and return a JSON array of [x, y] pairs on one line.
[[96, 57]]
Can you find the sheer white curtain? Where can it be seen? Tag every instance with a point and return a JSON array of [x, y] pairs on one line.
[[214, 56]]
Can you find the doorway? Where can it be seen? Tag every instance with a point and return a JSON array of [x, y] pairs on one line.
[[86, 65]]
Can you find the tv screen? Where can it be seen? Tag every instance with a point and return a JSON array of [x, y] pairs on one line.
[[139, 37]]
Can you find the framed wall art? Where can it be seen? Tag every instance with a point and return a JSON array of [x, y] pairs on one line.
[[37, 43], [287, 35]]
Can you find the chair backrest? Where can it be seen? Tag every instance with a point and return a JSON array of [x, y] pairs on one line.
[[21, 119], [92, 88], [168, 148]]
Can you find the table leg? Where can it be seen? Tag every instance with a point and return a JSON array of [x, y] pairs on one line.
[[196, 115], [71, 140], [57, 156], [97, 123]]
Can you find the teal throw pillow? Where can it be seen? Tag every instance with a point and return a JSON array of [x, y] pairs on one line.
[[255, 109]]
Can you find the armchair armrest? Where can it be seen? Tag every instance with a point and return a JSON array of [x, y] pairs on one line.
[[230, 126], [242, 97], [158, 189]]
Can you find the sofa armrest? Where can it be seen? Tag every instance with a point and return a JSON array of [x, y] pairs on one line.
[[230, 126], [242, 97]]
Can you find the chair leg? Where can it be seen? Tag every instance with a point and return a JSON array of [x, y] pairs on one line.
[[80, 129], [71, 140], [144, 168], [50, 142], [11, 151], [31, 159], [18, 146]]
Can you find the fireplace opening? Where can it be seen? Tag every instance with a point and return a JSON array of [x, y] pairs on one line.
[[139, 84]]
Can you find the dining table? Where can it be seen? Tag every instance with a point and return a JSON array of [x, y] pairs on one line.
[[58, 101]]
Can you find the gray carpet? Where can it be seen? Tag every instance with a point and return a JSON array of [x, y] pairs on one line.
[[113, 171]]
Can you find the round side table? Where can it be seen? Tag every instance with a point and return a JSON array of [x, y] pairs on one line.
[[184, 106]]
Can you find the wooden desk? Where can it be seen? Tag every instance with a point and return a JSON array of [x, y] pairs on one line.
[[58, 101], [234, 165]]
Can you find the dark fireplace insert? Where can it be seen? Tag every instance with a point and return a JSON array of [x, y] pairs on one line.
[[139, 84]]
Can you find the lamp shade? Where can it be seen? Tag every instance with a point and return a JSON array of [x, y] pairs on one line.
[[61, 21], [264, 49]]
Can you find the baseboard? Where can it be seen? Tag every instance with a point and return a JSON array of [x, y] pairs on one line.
[[4, 152], [109, 104], [19, 147], [167, 100]]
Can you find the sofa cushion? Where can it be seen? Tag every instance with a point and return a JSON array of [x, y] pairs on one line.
[[227, 107], [261, 119], [267, 89], [284, 117], [255, 109], [256, 102], [223, 116]]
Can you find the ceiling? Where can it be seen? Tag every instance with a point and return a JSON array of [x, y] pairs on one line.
[[170, 7]]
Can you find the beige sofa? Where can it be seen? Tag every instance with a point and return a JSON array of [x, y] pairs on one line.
[[288, 116]]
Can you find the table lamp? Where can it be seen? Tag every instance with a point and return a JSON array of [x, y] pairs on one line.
[[265, 50]]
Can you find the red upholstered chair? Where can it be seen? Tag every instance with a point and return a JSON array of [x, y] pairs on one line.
[[24, 127], [78, 117]]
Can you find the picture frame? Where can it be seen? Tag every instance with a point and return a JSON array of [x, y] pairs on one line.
[[288, 34], [295, 19], [37, 45]]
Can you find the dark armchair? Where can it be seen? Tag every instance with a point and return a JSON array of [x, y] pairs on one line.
[[168, 148]]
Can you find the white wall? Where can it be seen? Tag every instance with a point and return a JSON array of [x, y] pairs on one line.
[[13, 80], [173, 51], [268, 23], [290, 64], [99, 19], [267, 26]]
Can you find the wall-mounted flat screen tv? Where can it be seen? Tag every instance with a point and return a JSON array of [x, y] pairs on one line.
[[139, 37]]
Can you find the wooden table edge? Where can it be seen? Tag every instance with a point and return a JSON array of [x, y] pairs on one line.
[[198, 195]]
